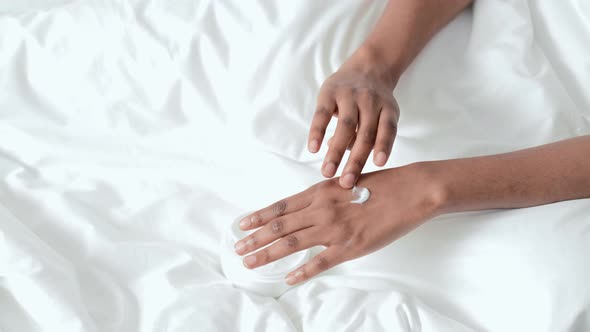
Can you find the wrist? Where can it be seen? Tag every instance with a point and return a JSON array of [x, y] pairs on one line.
[[371, 58], [438, 199]]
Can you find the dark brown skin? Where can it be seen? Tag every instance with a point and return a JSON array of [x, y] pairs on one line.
[[405, 197], [323, 215], [360, 93]]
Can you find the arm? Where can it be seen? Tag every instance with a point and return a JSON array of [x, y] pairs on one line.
[[405, 197], [403, 30], [544, 174], [361, 91]]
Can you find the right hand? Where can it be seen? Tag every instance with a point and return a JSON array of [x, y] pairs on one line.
[[360, 95]]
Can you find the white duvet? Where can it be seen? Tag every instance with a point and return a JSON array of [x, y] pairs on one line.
[[132, 133]]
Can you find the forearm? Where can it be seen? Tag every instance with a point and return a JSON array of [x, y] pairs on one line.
[[541, 175], [402, 31]]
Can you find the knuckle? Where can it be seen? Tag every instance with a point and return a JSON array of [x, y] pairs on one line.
[[316, 188], [318, 130], [343, 91], [321, 186], [320, 262], [337, 153], [279, 208], [251, 241], [369, 135], [256, 220], [326, 189], [323, 111], [366, 96], [301, 274], [277, 226], [366, 92], [263, 256], [292, 242], [392, 125], [348, 122], [356, 164]]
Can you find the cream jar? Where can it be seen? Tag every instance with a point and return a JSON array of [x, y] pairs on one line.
[[266, 280]]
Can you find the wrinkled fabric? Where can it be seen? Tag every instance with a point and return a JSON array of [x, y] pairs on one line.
[[132, 133]]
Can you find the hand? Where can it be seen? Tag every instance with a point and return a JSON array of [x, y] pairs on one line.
[[360, 95], [401, 199]]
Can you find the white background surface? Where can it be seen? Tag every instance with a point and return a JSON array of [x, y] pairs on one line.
[[133, 132]]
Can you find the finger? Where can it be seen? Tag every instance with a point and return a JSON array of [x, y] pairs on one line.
[[345, 129], [326, 106], [362, 148], [318, 264], [272, 231], [351, 144], [283, 207], [386, 132], [300, 240]]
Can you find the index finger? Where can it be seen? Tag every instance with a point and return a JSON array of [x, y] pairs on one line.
[[326, 106], [280, 208], [361, 150]]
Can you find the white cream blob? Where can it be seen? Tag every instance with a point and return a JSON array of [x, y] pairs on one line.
[[360, 195]]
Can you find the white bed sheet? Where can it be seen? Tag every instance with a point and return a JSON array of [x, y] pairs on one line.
[[133, 132]]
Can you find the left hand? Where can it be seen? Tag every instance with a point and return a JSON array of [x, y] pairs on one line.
[[360, 95], [401, 199]]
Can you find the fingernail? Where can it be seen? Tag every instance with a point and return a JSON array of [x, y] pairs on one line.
[[249, 261], [245, 223], [348, 180], [329, 169], [291, 280], [314, 146], [239, 247], [381, 158]]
